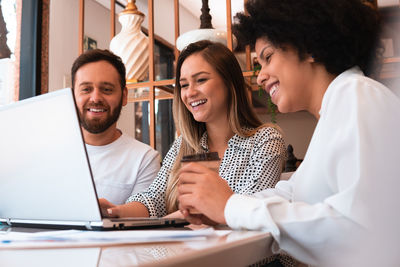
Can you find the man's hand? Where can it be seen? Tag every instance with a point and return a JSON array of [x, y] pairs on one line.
[[204, 190]]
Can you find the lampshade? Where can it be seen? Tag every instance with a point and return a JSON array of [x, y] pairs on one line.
[[206, 31], [131, 44], [214, 35]]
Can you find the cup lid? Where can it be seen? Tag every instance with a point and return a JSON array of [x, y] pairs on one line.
[[209, 156]]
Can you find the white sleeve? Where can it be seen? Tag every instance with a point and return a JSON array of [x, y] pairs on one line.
[[283, 189], [299, 228], [148, 170]]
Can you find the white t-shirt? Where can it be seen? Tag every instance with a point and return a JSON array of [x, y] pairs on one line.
[[345, 188], [122, 168]]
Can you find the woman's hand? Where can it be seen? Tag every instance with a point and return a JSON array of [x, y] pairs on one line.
[[132, 209], [197, 219], [204, 190], [176, 214], [105, 206], [192, 218]]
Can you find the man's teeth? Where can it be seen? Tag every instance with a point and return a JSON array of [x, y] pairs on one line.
[[199, 102], [273, 89], [97, 110]]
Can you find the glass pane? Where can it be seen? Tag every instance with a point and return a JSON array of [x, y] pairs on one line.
[[142, 94], [138, 94], [142, 121], [164, 92], [163, 62], [165, 128], [242, 59]]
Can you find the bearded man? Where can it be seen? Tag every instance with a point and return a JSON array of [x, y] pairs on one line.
[[121, 165]]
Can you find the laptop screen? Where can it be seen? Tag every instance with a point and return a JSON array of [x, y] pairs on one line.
[[44, 173]]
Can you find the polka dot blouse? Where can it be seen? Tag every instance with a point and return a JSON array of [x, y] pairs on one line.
[[249, 165]]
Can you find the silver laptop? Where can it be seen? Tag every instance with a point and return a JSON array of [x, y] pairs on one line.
[[45, 175]]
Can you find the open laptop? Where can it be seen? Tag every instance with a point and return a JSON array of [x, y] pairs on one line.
[[45, 175]]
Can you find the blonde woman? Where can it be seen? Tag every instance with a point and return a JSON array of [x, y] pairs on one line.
[[213, 113]]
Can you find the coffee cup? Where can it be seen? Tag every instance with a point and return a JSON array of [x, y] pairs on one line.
[[210, 160]]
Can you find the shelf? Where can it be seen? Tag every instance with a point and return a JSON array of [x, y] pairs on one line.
[[390, 68], [391, 60]]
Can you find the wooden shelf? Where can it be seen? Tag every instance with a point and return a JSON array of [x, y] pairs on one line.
[[390, 68], [391, 60]]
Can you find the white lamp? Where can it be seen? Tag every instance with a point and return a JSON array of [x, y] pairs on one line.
[[131, 44], [206, 31]]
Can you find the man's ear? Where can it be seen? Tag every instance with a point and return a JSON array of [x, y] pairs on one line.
[[124, 96]]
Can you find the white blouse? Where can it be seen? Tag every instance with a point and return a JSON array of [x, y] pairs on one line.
[[319, 214]]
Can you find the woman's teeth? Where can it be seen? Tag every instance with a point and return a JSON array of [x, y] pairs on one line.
[[273, 89], [199, 102]]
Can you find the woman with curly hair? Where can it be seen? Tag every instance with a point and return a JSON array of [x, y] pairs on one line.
[[314, 56]]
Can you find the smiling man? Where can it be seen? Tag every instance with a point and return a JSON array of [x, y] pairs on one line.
[[121, 165]]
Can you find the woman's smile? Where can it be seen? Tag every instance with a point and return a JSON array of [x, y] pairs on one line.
[[202, 90]]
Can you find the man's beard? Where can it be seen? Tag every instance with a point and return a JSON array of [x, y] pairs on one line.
[[96, 126]]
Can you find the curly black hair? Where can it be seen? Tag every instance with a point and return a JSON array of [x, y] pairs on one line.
[[339, 34]]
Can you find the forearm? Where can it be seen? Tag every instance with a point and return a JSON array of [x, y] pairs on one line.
[[131, 209]]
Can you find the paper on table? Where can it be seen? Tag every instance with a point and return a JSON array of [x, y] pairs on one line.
[[92, 238]]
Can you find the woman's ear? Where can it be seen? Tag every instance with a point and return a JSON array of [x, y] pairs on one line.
[[310, 59]]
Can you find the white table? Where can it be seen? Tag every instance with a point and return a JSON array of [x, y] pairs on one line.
[[237, 248]]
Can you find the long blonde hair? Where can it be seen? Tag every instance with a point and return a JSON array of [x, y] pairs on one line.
[[241, 117]]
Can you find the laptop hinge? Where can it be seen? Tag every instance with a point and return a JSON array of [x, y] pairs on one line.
[[88, 225]]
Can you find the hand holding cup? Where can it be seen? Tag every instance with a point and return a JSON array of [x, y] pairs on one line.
[[209, 160]]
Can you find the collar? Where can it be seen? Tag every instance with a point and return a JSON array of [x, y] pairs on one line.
[[342, 76]]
